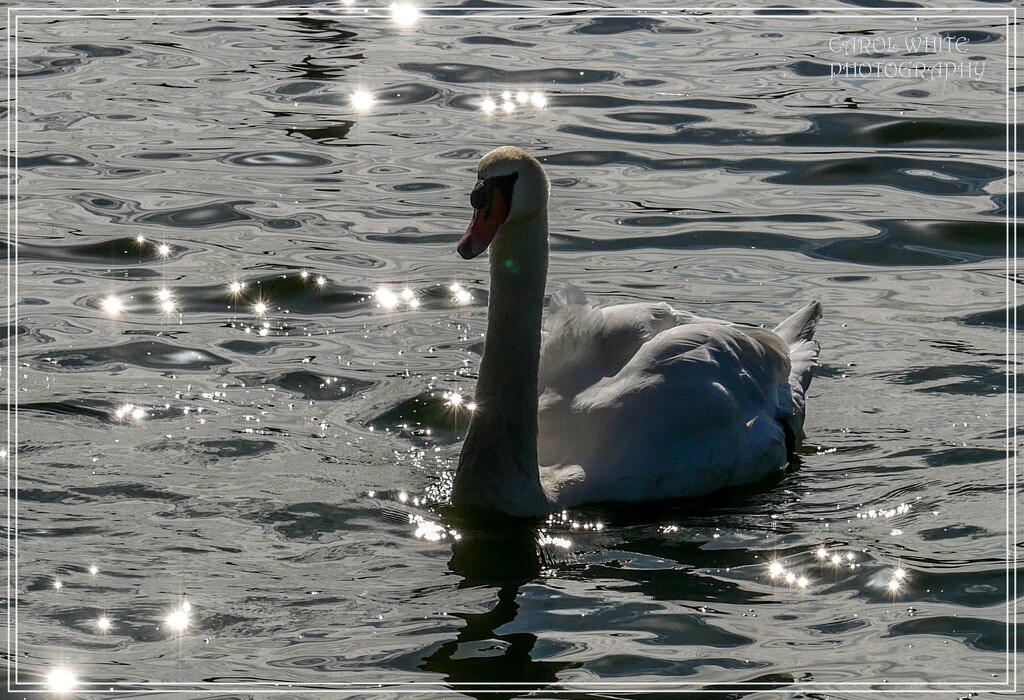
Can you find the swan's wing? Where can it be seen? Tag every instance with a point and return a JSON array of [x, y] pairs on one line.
[[694, 410], [583, 344], [748, 362]]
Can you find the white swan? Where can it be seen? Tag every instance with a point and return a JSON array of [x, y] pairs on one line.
[[627, 403]]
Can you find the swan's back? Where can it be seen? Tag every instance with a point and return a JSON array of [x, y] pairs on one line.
[[640, 401]]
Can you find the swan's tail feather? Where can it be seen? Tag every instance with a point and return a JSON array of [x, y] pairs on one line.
[[798, 332], [801, 325], [803, 358]]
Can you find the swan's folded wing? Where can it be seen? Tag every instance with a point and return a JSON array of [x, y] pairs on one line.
[[583, 344], [693, 411]]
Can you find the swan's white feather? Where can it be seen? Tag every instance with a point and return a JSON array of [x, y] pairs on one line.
[[640, 400]]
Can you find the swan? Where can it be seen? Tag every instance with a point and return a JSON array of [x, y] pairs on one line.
[[634, 402]]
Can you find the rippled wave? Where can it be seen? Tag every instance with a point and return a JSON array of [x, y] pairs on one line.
[[240, 322]]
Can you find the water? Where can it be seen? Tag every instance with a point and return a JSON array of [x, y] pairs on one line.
[[285, 472]]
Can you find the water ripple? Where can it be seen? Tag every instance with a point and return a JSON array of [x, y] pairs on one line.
[[827, 130], [292, 457], [464, 73], [150, 354], [276, 159]]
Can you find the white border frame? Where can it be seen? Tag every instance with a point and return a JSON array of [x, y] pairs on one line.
[[1009, 15]]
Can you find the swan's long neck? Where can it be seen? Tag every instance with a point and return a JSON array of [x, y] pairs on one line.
[[498, 465]]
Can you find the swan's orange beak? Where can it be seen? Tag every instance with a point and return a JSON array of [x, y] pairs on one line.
[[486, 222]]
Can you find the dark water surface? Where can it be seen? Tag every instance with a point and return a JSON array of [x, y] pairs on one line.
[[284, 468]]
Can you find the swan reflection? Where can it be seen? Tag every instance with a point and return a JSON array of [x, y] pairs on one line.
[[487, 650]]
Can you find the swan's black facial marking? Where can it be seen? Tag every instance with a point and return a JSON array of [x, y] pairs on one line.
[[481, 196], [491, 199]]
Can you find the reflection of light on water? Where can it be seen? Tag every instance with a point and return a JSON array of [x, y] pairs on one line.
[[236, 287], [430, 531], [409, 297], [387, 299], [103, 623], [426, 529], [404, 14], [510, 101], [777, 570], [507, 105], [453, 399], [61, 681], [57, 584], [93, 570], [140, 239], [898, 580], [177, 620], [563, 519], [259, 308], [164, 250], [112, 305], [560, 542], [361, 101], [130, 410], [901, 509], [836, 559], [460, 295], [321, 281], [166, 298]]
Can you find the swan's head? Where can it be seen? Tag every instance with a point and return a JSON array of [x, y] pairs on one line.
[[511, 186]]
